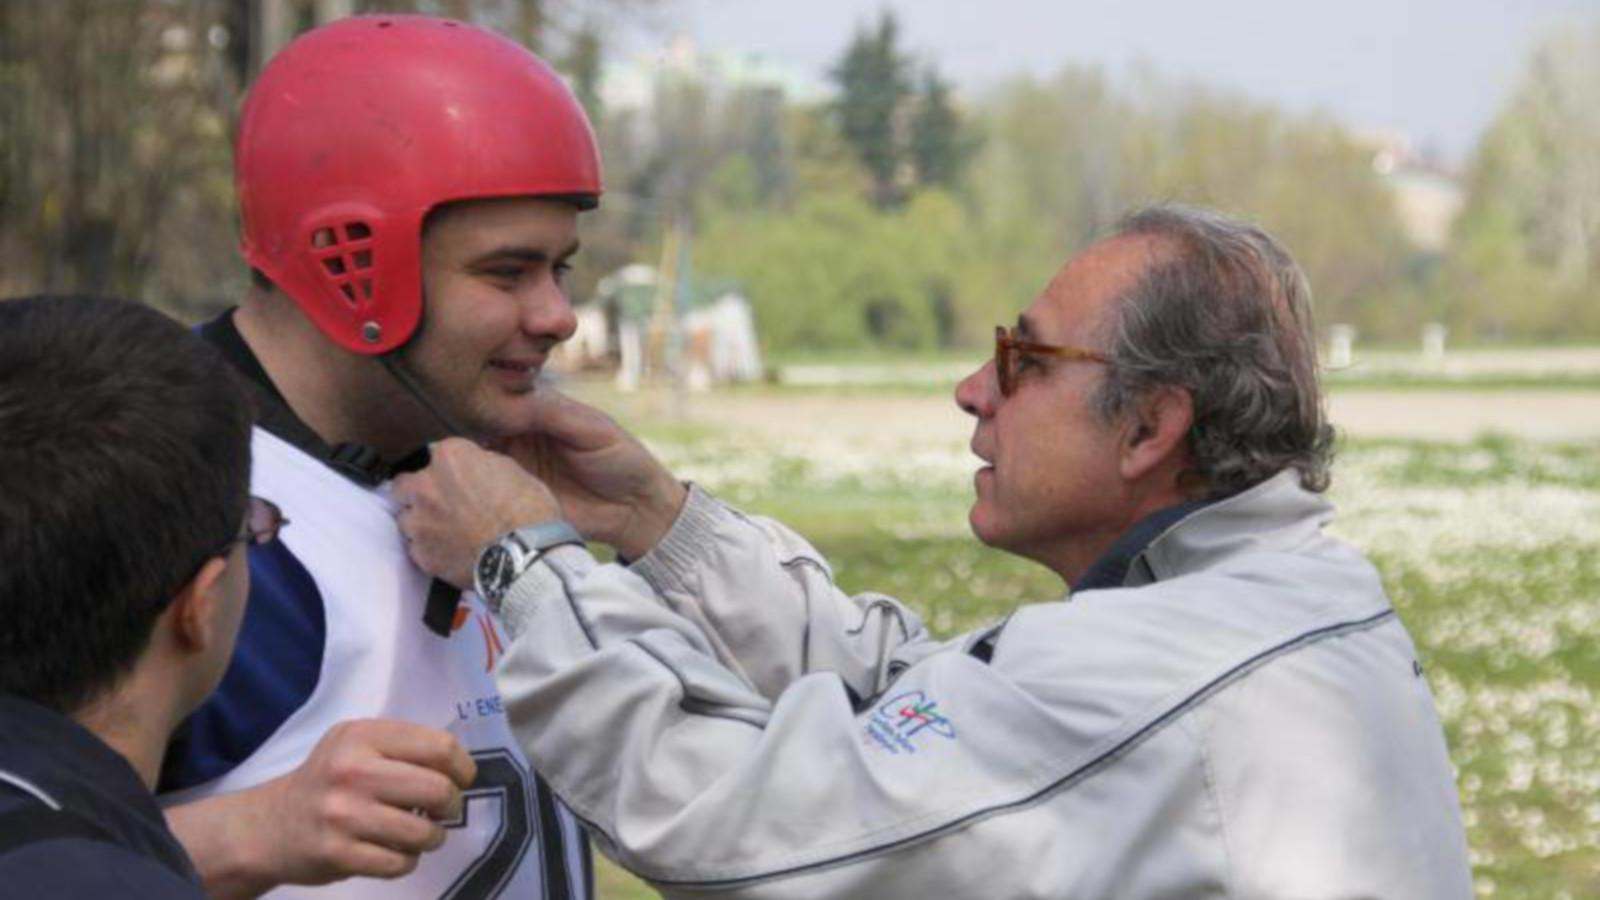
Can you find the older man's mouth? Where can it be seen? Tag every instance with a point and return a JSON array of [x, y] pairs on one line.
[[984, 475]]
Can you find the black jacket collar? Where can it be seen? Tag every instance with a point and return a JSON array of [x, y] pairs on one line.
[[86, 777]]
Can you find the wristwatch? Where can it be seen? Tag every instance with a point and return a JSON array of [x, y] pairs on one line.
[[502, 562]]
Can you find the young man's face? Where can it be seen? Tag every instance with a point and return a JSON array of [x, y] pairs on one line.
[[1051, 490], [493, 307]]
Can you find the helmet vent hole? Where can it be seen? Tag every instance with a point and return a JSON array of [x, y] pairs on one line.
[[384, 24], [344, 250]]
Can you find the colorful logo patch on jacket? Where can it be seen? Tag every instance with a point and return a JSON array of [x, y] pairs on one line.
[[908, 721]]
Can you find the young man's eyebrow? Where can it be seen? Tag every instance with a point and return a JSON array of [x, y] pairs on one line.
[[524, 253]]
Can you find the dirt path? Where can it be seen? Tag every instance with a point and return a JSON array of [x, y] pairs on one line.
[[793, 416], [1463, 415]]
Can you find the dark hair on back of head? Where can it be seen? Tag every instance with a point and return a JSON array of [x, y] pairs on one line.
[[124, 462]]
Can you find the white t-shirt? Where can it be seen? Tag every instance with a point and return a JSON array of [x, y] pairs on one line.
[[335, 631]]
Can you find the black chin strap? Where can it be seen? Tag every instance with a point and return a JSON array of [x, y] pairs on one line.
[[357, 462], [391, 361], [443, 598]]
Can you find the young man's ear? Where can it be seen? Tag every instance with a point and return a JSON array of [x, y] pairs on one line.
[[196, 610], [1156, 431]]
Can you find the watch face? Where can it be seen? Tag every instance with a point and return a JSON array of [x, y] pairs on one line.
[[494, 571]]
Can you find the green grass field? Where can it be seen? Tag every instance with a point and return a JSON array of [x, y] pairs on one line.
[[1490, 549]]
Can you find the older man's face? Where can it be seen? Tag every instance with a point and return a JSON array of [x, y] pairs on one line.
[[1051, 490]]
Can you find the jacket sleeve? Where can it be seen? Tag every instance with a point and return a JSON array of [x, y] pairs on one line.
[[766, 601], [696, 781]]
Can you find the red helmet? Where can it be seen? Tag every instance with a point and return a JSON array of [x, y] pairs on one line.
[[355, 130]]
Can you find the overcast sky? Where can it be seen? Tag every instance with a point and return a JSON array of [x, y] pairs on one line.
[[1433, 69]]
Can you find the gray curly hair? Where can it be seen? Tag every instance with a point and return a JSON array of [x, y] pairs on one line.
[[1225, 313]]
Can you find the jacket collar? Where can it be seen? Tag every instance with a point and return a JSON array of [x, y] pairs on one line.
[[56, 758], [1277, 513], [1113, 567], [67, 761]]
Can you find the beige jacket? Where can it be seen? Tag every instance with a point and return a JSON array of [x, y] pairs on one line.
[[1245, 717]]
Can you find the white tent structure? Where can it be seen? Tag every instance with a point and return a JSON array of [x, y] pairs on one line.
[[623, 327], [720, 340]]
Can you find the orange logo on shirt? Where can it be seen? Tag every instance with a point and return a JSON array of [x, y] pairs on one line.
[[492, 646]]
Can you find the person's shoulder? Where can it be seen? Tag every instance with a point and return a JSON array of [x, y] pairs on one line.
[[83, 867], [1162, 646], [1266, 584]]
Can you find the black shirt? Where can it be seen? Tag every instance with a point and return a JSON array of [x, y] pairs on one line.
[[75, 820]]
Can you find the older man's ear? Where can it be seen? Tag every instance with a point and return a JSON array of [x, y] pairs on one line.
[[1154, 434]]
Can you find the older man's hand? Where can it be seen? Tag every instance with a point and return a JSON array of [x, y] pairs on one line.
[[465, 498], [610, 487]]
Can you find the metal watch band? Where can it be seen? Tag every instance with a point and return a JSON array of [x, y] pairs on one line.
[[545, 535], [504, 561]]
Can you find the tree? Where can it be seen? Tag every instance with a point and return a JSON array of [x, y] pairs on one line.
[[873, 85], [755, 130], [835, 272], [1309, 184], [1525, 255], [115, 149], [1061, 159], [1064, 158], [940, 147], [583, 63], [116, 123]]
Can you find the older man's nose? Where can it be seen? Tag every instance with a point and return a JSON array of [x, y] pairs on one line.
[[977, 393]]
